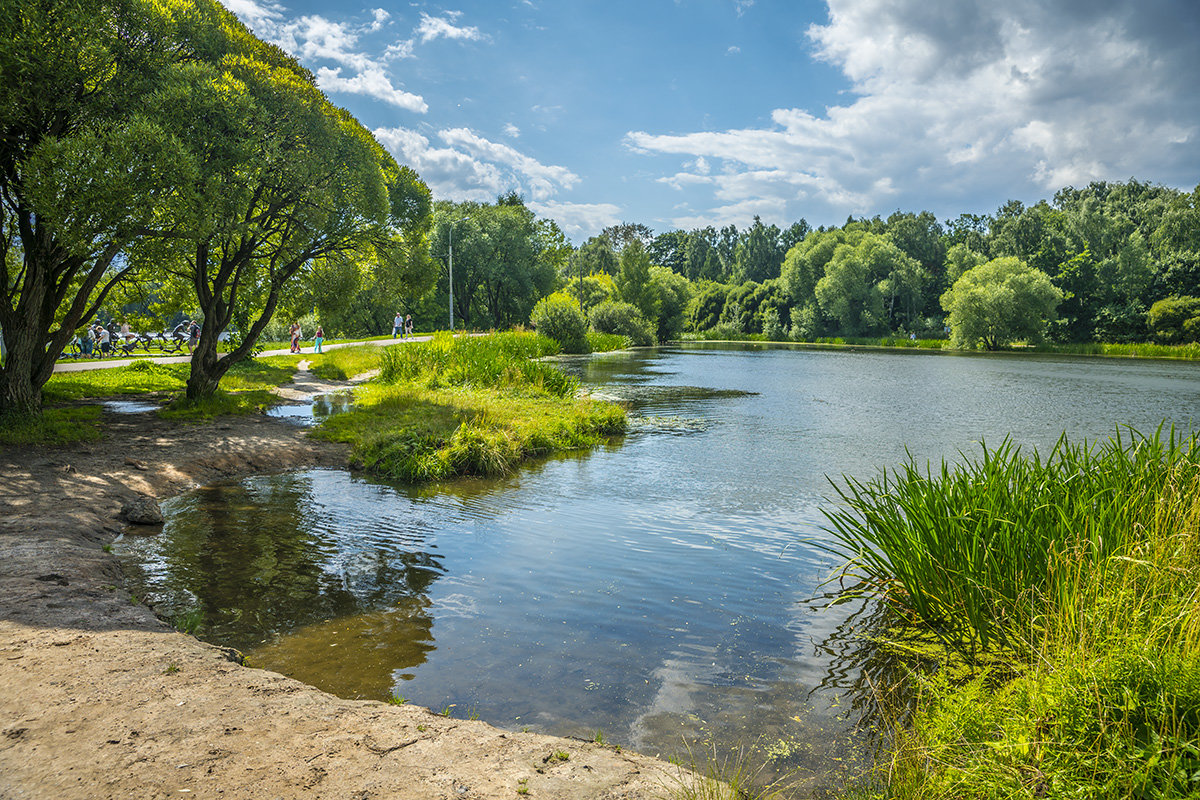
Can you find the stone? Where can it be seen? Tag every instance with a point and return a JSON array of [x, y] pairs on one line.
[[142, 511]]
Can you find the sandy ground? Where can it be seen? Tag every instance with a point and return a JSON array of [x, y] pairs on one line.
[[101, 699]]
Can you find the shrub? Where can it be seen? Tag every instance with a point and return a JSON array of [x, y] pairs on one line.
[[559, 318], [623, 319], [1175, 319]]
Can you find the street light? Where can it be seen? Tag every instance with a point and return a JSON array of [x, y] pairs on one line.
[[450, 285]]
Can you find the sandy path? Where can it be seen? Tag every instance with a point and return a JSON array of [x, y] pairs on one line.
[[100, 699]]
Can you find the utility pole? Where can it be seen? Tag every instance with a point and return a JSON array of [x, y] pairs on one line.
[[451, 284]]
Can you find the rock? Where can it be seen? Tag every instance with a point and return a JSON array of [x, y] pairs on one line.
[[142, 511]]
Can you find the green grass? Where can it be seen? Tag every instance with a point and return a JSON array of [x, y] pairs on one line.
[[606, 342], [468, 406], [55, 426], [1184, 352], [1082, 570], [149, 377], [345, 362]]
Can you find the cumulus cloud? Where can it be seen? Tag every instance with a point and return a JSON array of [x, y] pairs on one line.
[[974, 98], [579, 220], [512, 130], [445, 27], [314, 38], [470, 167]]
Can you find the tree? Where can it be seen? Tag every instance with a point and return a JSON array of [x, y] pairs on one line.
[[869, 284], [999, 302], [83, 161], [281, 180], [758, 255], [623, 319], [1175, 319], [704, 310], [619, 236], [673, 292], [633, 281]]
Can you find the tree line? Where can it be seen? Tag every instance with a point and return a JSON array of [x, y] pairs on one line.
[[158, 159]]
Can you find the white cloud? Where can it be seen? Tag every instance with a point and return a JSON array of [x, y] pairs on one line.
[[962, 100], [579, 220], [314, 38], [733, 50], [471, 167], [742, 5], [512, 130], [372, 82], [444, 27]]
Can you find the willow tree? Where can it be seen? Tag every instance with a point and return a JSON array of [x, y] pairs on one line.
[[278, 180], [83, 162]]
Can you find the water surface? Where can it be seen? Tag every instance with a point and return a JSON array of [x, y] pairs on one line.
[[653, 589]]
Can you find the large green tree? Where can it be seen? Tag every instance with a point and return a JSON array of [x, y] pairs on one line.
[[277, 181], [1001, 301], [84, 160]]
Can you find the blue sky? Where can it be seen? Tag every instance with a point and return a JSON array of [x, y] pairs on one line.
[[684, 113]]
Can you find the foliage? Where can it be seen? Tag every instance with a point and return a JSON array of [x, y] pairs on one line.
[[500, 360], [979, 551], [558, 318], [704, 310], [1107, 701], [633, 281], [469, 406], [1175, 319], [998, 302], [606, 342], [623, 319], [673, 292], [84, 159]]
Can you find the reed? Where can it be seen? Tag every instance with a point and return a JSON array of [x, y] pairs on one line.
[[979, 551]]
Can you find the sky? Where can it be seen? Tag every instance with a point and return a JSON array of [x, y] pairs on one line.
[[678, 114]]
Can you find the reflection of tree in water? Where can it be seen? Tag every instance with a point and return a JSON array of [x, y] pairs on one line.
[[257, 561]]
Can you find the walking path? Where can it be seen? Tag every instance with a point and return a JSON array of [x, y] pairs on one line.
[[84, 364]]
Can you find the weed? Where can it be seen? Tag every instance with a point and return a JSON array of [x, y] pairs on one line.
[[171, 669], [107, 548], [598, 738], [396, 700], [445, 712], [472, 712], [523, 786], [562, 755], [189, 621], [422, 728]]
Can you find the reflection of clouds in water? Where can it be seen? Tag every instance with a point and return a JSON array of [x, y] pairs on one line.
[[458, 605]]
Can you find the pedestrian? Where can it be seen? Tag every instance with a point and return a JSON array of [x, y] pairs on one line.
[[318, 338], [193, 335], [295, 337], [397, 325], [408, 325], [85, 341], [105, 341]]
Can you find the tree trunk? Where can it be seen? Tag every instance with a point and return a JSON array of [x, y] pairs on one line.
[[18, 394], [207, 367]]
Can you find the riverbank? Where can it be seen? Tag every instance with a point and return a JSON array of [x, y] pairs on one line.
[[103, 699]]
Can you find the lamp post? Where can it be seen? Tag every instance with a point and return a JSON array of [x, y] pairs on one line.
[[451, 283]]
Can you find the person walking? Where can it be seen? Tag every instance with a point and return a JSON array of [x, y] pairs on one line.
[[295, 337], [408, 326], [397, 325], [193, 335], [318, 338]]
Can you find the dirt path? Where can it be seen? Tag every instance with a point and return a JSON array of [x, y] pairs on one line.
[[100, 699]]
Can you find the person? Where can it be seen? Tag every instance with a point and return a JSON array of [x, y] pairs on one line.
[[85, 342], [126, 333], [397, 325], [408, 325], [193, 335], [180, 332], [318, 338], [295, 337], [105, 341]]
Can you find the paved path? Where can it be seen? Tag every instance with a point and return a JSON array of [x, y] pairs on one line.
[[84, 364]]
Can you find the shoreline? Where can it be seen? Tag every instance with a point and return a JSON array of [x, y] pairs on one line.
[[103, 699]]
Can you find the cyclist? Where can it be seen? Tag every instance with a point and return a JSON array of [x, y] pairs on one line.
[[180, 334]]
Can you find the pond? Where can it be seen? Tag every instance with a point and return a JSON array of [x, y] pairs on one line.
[[656, 590]]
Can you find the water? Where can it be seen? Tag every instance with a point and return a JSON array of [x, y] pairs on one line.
[[315, 412], [655, 589]]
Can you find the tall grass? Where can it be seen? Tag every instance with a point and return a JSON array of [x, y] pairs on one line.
[[500, 360], [978, 551], [1084, 568], [457, 406]]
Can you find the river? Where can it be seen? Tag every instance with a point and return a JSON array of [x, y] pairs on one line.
[[655, 591]]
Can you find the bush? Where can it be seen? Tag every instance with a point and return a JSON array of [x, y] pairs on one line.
[[559, 318], [623, 319], [1175, 319]]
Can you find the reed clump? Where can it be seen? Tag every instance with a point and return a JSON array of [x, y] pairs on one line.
[[457, 406], [1081, 568]]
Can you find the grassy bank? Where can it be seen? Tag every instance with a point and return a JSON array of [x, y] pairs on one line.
[[1075, 577], [469, 406]]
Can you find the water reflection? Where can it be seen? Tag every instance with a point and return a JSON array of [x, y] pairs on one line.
[[653, 589], [317, 411]]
